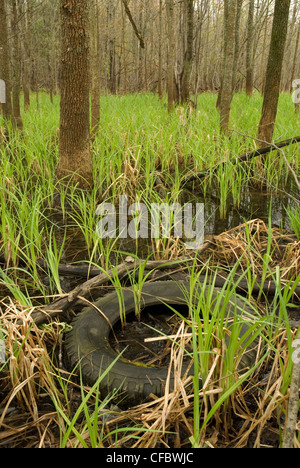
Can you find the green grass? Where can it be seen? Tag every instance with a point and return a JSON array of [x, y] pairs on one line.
[[137, 140], [294, 216]]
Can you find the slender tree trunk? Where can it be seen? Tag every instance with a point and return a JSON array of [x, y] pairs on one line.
[[293, 77], [262, 63], [141, 49], [160, 38], [75, 159], [16, 75], [249, 50], [111, 48], [146, 48], [50, 78], [124, 50], [237, 44], [135, 28], [171, 61], [25, 47], [225, 42], [228, 64], [205, 53], [188, 57], [4, 62], [198, 46], [95, 67], [274, 71]]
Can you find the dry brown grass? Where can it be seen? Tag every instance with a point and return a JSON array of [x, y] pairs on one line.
[[248, 243], [24, 410], [29, 419], [253, 416]]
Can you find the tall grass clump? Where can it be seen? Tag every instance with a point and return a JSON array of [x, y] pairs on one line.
[[294, 216]]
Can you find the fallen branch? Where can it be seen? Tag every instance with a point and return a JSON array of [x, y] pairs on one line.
[[137, 33], [84, 270], [62, 304], [241, 159]]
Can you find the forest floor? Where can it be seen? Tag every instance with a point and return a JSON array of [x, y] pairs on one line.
[[252, 233]]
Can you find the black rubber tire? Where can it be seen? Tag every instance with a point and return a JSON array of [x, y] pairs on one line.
[[88, 342]]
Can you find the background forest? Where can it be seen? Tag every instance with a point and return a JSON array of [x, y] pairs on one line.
[[129, 65]]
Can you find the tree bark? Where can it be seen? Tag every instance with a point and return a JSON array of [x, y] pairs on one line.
[[95, 67], [237, 44], [124, 51], [16, 75], [171, 61], [26, 60], [137, 32], [228, 64], [262, 62], [274, 71], [249, 50], [160, 33], [188, 57], [4, 62], [111, 48], [75, 159], [293, 77]]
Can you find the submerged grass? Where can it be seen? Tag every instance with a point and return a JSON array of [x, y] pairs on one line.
[[139, 141]]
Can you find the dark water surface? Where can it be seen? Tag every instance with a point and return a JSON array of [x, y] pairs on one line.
[[254, 203]]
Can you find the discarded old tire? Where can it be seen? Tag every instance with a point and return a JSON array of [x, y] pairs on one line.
[[88, 342]]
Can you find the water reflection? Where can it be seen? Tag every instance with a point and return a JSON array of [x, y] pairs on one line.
[[254, 203]]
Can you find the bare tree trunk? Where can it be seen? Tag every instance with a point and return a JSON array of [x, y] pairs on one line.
[[111, 48], [274, 71], [204, 54], [4, 62], [237, 44], [140, 56], [249, 50], [293, 77], [198, 47], [124, 51], [188, 57], [95, 67], [25, 47], [137, 32], [228, 64], [262, 63], [225, 33], [160, 34], [75, 159], [146, 48], [171, 61], [16, 75]]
